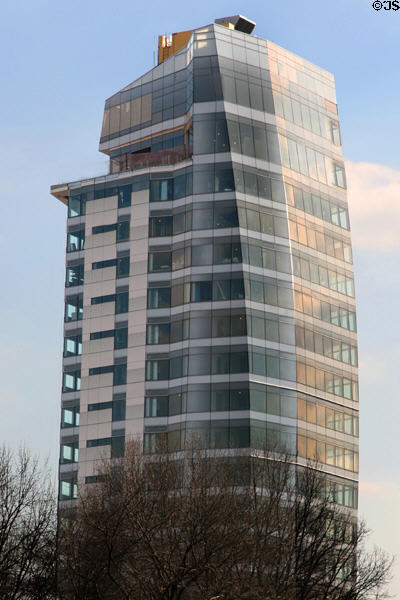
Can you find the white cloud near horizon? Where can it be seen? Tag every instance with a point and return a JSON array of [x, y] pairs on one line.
[[374, 205]]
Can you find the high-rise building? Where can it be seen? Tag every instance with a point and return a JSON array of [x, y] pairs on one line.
[[209, 277]]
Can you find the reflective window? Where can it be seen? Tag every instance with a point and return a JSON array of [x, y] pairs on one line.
[[123, 266], [76, 205], [73, 308], [69, 452], [159, 261], [160, 226], [121, 302], [73, 345], [70, 417], [74, 275], [75, 240], [123, 230], [71, 381], [159, 297]]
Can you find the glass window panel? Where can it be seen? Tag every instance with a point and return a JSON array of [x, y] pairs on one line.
[[220, 363], [237, 289], [258, 400], [202, 218], [239, 362], [204, 136], [220, 400], [222, 289], [221, 137], [294, 159], [268, 261], [260, 142], [271, 330], [123, 266], [271, 294], [238, 325], [242, 92], [273, 147], [159, 261], [202, 291], [178, 259], [225, 217], [273, 366], [267, 224], [256, 96], [234, 135], [312, 163], [253, 220], [224, 179], [123, 229], [221, 326], [222, 254]]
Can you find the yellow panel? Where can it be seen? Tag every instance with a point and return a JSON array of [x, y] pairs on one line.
[[167, 48]]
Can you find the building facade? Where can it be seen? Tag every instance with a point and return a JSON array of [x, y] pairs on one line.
[[209, 277]]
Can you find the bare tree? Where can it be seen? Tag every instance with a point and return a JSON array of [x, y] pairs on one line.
[[27, 528], [200, 527]]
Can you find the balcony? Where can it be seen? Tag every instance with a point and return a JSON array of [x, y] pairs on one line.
[[144, 160]]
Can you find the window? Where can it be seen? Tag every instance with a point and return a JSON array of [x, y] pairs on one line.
[[74, 275], [201, 291], [103, 228], [71, 381], [102, 299], [69, 452], [119, 374], [157, 369], [121, 338], [160, 226], [98, 442], [73, 308], [338, 176], [99, 335], [76, 205], [68, 489], [103, 264], [75, 240], [158, 333], [161, 190], [124, 196], [123, 229], [159, 261], [123, 266], [156, 406], [70, 417], [121, 302], [99, 406], [118, 409], [159, 297], [117, 446], [73, 345]]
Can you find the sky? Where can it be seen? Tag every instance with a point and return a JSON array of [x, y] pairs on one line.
[[60, 61]]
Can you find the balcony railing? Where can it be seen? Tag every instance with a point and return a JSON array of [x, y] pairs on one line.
[[143, 160]]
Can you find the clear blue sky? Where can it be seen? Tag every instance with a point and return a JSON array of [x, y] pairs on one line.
[[60, 60]]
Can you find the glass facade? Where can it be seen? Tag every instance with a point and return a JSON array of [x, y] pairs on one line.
[[212, 268]]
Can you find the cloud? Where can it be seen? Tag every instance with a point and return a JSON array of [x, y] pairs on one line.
[[380, 489], [374, 204]]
